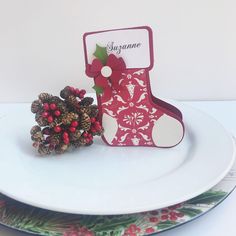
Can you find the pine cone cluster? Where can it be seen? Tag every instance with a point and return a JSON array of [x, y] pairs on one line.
[[63, 122]]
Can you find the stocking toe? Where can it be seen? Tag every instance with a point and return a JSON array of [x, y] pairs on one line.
[[167, 131]]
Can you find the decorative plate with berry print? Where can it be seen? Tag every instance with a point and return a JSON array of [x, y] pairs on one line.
[[48, 223], [104, 180]]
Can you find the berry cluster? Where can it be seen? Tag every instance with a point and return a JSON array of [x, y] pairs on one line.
[[77, 92], [71, 120], [132, 230], [50, 110], [171, 213], [75, 231]]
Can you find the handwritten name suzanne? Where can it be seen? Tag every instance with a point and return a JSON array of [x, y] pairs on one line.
[[111, 47]]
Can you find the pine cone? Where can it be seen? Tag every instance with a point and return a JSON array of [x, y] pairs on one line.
[[93, 111], [36, 106], [62, 107], [43, 149], [86, 110], [82, 141], [55, 99], [61, 148], [76, 144], [87, 101], [69, 117], [65, 122], [35, 129], [75, 136], [44, 97], [40, 120], [85, 122], [65, 93], [72, 101], [36, 134], [36, 138], [55, 140]]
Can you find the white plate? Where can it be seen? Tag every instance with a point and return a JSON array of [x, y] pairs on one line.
[[112, 180]]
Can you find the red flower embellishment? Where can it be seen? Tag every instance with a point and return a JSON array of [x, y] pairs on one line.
[[107, 75]]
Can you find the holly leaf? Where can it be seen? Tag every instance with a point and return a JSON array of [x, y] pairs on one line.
[[98, 89], [101, 54]]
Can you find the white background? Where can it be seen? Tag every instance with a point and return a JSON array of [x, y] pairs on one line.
[[41, 44]]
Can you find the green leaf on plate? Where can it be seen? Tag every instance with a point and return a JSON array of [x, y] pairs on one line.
[[99, 90], [114, 224], [208, 197], [101, 54], [191, 212], [166, 224]]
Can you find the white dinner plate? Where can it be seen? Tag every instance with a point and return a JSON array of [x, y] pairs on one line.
[[112, 180]]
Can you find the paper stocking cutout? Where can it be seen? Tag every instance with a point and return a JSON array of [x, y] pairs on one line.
[[120, 61]]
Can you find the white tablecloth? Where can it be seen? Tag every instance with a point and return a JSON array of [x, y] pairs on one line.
[[219, 221]]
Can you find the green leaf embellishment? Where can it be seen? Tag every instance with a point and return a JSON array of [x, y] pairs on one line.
[[99, 90], [101, 54], [165, 225], [208, 197]]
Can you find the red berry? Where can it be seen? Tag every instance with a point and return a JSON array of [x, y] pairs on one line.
[[153, 219], [98, 127], [50, 119], [96, 123], [92, 119], [74, 123], [93, 130], [53, 106], [66, 140], [164, 217], [45, 106], [85, 135], [173, 218], [87, 140], [82, 93], [57, 129], [45, 114], [57, 113], [172, 213], [133, 227], [149, 230], [77, 91], [65, 135], [72, 129]]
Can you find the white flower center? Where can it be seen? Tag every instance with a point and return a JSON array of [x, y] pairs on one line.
[[106, 71]]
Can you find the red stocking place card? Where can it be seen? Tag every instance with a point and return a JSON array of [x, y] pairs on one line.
[[119, 61]]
